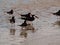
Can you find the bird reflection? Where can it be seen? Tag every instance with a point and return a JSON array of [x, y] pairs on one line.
[[12, 31], [30, 27], [24, 32], [57, 23]]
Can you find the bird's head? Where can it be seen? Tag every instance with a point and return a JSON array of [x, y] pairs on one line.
[[13, 17], [35, 16], [29, 13]]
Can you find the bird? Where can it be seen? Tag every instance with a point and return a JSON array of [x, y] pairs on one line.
[[57, 13], [29, 18], [10, 12], [12, 20]]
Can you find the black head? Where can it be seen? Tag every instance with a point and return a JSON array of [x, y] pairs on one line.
[[29, 13], [59, 11], [13, 17], [33, 15], [11, 9], [54, 13]]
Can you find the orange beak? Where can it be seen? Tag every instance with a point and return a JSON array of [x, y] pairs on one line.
[[37, 17]]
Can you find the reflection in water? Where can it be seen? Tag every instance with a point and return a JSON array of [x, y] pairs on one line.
[[30, 27], [24, 30], [12, 31], [23, 33], [57, 23]]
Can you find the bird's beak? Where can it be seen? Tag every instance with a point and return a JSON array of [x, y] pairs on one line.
[[18, 25], [37, 17], [53, 13]]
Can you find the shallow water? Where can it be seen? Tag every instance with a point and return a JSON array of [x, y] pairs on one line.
[[46, 33]]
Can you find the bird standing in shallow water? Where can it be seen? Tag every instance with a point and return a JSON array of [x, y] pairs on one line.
[[29, 18]]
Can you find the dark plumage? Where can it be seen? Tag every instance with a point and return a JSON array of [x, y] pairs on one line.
[[57, 13], [12, 20], [23, 24], [29, 18], [26, 15], [10, 12]]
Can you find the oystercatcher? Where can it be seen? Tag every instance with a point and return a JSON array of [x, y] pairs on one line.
[[32, 18]]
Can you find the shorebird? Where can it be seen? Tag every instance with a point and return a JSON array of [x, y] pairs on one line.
[[32, 18]]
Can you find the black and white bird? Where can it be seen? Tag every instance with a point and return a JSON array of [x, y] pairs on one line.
[[30, 18]]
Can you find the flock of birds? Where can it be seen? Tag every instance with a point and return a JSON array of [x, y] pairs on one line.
[[26, 17]]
